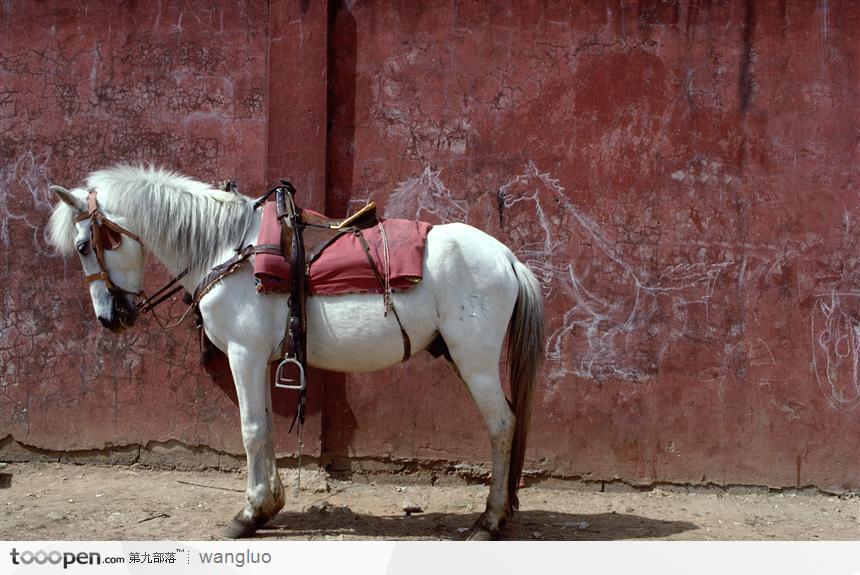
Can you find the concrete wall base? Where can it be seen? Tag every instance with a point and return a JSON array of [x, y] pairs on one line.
[[175, 455]]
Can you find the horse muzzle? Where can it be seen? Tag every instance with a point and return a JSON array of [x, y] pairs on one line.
[[123, 314]]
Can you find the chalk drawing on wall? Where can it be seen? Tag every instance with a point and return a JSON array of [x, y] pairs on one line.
[[426, 198], [748, 360], [835, 332], [610, 329], [24, 197], [618, 330]]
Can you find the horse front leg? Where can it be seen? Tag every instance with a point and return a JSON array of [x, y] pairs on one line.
[[265, 492]]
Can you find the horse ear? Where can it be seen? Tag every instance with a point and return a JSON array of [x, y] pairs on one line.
[[69, 198]]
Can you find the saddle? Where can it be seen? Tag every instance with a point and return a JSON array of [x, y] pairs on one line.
[[317, 230]]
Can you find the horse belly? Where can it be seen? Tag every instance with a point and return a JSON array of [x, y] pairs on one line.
[[352, 333]]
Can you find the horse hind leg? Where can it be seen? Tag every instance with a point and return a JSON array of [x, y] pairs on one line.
[[478, 368]]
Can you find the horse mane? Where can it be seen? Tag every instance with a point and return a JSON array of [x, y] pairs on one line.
[[182, 219], [61, 230]]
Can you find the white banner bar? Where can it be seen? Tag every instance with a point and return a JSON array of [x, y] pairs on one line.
[[431, 558]]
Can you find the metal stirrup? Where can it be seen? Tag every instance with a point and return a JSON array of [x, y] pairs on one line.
[[290, 383]]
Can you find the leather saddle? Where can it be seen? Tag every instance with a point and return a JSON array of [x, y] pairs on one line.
[[319, 231]]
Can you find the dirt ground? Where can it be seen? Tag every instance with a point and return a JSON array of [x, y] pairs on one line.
[[59, 502]]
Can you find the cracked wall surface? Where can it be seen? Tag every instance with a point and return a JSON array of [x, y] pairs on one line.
[[681, 176], [86, 84]]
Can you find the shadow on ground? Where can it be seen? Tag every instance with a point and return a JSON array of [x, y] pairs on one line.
[[526, 525]]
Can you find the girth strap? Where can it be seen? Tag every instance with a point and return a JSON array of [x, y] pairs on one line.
[[385, 282]]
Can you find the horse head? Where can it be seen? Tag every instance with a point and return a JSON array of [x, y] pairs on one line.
[[111, 256]]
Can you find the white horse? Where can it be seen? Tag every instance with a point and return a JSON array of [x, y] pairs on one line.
[[188, 224]]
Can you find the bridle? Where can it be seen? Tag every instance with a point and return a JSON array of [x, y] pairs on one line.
[[106, 236]]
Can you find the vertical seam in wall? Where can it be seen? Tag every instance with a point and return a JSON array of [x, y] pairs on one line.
[[330, 14], [268, 68]]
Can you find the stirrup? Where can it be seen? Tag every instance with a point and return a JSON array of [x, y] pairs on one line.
[[290, 382]]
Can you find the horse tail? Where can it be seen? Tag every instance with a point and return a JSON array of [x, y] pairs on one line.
[[525, 354]]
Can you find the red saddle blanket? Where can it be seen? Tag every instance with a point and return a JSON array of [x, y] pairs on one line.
[[342, 267]]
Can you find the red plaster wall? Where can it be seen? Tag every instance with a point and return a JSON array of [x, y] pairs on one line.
[[682, 176], [85, 84]]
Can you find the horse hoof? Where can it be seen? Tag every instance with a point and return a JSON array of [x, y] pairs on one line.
[[479, 534], [240, 527], [484, 529]]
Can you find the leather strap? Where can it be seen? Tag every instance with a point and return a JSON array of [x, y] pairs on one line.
[[219, 272], [407, 343], [95, 213], [100, 240], [99, 276], [295, 337]]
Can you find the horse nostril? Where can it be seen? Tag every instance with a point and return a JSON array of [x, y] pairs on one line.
[[106, 322]]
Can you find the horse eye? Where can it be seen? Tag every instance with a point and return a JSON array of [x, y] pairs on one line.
[[83, 248]]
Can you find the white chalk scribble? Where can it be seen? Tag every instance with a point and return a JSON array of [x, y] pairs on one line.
[[608, 330], [25, 197], [749, 360], [426, 198], [835, 332]]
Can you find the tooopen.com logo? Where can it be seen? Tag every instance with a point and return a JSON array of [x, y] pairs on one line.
[[42, 557]]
